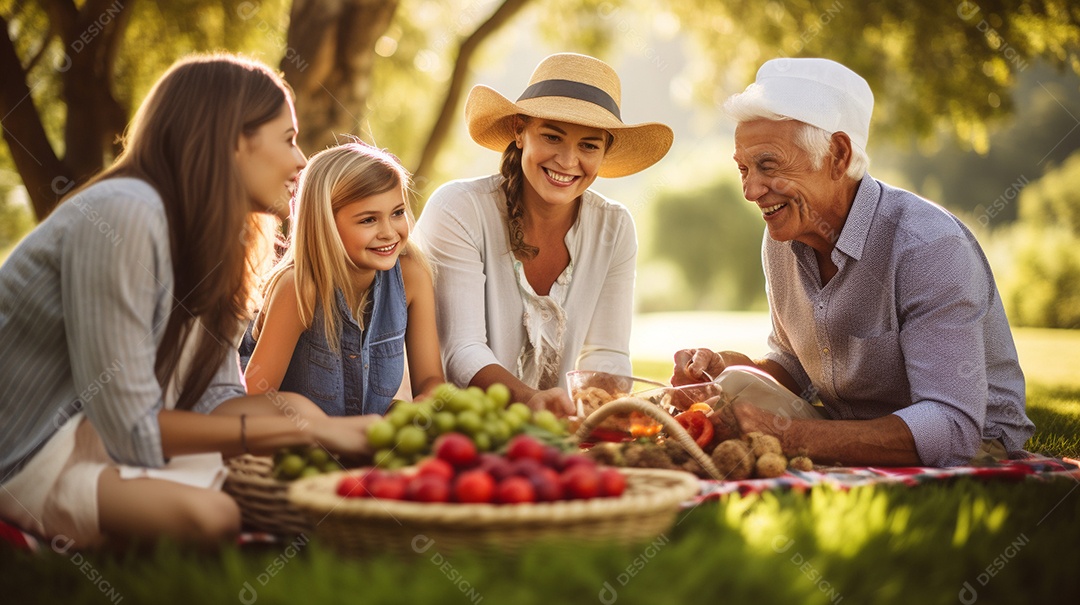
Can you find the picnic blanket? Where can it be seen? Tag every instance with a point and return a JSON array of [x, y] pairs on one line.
[[1033, 468], [1038, 468]]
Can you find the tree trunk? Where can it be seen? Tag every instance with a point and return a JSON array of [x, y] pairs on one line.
[[95, 119], [34, 158], [449, 111], [328, 62]]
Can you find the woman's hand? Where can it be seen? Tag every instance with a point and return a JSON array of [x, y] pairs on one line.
[[344, 435], [557, 400]]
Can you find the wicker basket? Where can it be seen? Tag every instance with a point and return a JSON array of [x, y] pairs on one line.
[[367, 525], [263, 500], [671, 426]]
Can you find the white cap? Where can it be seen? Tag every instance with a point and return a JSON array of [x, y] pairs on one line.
[[819, 92]]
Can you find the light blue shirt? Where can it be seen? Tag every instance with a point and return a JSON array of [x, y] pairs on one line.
[[84, 300], [911, 324]]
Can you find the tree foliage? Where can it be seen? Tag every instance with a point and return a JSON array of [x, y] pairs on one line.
[[1041, 133], [77, 70], [72, 71], [929, 64], [1040, 254]]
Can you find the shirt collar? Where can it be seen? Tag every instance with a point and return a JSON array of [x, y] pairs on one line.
[[857, 226]]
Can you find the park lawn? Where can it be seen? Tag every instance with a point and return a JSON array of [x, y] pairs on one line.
[[963, 541]]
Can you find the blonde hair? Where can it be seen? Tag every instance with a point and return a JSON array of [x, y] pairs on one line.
[[334, 178], [183, 141]]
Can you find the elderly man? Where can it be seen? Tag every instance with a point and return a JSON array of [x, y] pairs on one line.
[[883, 304]]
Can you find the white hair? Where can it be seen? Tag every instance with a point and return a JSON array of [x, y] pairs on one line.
[[813, 140]]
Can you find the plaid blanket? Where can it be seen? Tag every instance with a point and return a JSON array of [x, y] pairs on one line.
[[1037, 468]]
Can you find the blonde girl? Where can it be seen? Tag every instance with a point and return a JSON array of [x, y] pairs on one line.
[[351, 293]]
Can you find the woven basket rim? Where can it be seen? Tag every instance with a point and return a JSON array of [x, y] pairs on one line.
[[317, 496]]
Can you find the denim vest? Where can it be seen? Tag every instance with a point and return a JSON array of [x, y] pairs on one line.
[[364, 377]]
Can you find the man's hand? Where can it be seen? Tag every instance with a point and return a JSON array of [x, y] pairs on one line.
[[748, 418], [693, 366]]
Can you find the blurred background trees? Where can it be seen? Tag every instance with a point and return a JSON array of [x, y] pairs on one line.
[[978, 107]]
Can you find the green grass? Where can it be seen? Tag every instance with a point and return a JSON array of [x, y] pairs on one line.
[[936, 543], [881, 545]]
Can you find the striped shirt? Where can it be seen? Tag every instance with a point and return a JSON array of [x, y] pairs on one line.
[[84, 300], [911, 324]]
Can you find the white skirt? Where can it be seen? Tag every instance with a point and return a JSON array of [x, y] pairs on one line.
[[55, 496]]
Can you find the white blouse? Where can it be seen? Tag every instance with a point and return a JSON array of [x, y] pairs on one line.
[[489, 314]]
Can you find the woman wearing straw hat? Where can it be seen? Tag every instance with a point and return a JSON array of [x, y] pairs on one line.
[[534, 271]]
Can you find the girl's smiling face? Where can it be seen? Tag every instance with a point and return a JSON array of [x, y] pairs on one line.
[[559, 160], [374, 230]]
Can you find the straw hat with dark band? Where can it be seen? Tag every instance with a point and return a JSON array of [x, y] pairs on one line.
[[570, 88]]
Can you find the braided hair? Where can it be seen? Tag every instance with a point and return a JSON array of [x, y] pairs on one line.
[[513, 186]]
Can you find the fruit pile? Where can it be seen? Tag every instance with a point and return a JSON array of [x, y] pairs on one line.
[[409, 430], [299, 462], [754, 455], [530, 471]]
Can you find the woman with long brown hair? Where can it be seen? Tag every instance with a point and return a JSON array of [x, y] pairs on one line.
[[120, 312]]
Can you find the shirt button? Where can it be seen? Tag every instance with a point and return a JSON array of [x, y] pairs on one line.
[[825, 350], [352, 355]]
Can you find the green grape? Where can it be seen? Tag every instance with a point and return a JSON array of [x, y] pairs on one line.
[[383, 457], [395, 463], [546, 420], [500, 394], [513, 422], [443, 422], [441, 394], [470, 422], [381, 434], [410, 440], [399, 416], [482, 441], [520, 410], [331, 465], [317, 456], [291, 466], [476, 391], [499, 431], [311, 471], [459, 402], [423, 418]]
